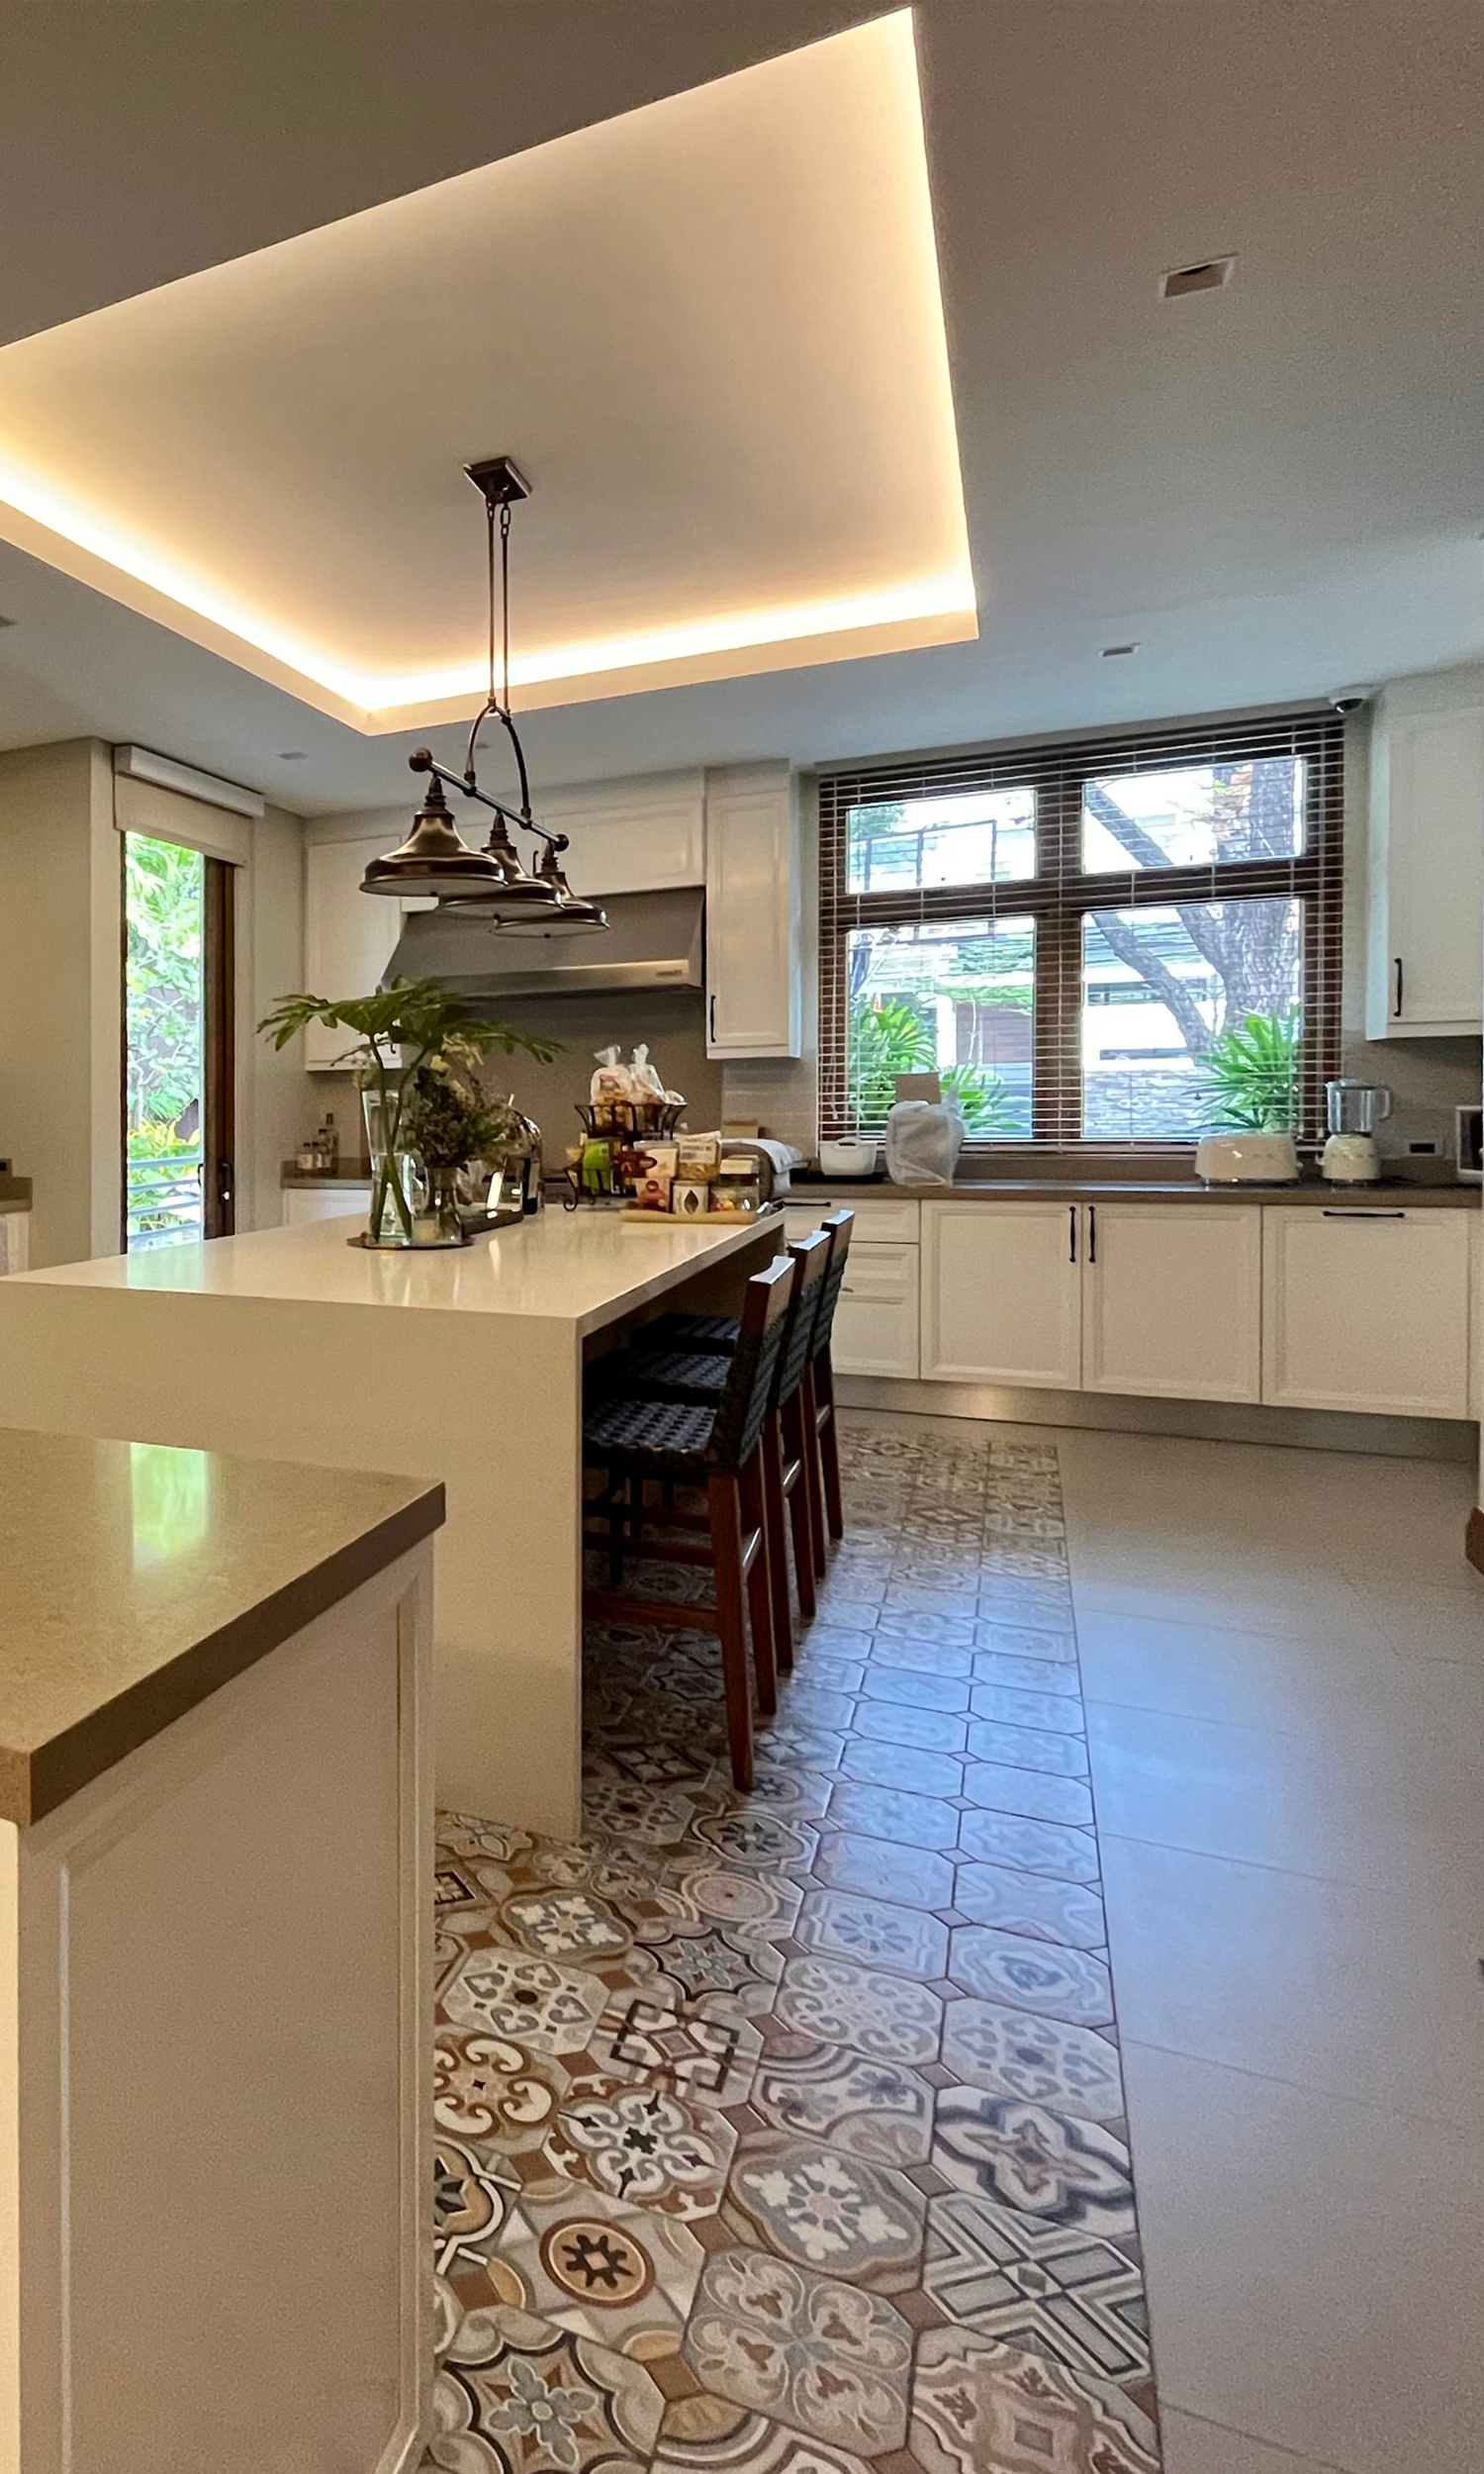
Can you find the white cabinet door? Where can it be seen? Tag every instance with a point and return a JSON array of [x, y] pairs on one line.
[[875, 1320], [633, 837], [1366, 1308], [348, 936], [302, 1204], [1426, 871], [1001, 1293], [753, 993], [1171, 1300], [885, 1221]]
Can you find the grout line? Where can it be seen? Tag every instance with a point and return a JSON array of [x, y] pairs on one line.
[[1296, 1872], [1300, 2088], [1277, 2447]]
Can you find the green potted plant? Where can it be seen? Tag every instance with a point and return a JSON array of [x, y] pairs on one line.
[[415, 1056]]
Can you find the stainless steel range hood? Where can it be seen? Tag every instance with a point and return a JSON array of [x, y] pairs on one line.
[[653, 942]]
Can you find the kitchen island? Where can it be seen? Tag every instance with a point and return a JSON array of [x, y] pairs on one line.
[[463, 1366], [216, 1858]]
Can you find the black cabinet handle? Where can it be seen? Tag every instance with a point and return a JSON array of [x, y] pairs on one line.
[[714, 1019], [1364, 1215], [1071, 1234], [1092, 1233], [1396, 1010]]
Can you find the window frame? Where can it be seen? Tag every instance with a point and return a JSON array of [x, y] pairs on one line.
[[1061, 892]]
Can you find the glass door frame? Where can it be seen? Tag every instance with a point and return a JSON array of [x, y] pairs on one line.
[[218, 1044]]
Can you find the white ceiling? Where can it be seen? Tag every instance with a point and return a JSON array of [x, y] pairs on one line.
[[1274, 489]]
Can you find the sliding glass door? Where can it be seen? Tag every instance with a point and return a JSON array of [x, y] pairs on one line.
[[177, 1081]]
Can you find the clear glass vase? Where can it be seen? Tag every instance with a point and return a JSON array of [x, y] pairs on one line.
[[395, 1173]]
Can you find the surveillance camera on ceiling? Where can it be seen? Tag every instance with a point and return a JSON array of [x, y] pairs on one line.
[[1351, 699]]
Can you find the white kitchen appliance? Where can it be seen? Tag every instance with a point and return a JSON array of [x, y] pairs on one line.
[[1250, 1159], [1353, 1110]]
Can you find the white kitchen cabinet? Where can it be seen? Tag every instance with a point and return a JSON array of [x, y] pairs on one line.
[[754, 995], [302, 1204], [1366, 1308], [348, 936], [1426, 885], [1172, 1300], [876, 1319], [1002, 1293], [881, 1219], [640, 836]]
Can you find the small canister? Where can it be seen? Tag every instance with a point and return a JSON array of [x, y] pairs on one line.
[[689, 1202]]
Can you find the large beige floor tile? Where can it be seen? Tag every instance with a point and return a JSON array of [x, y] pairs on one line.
[[1355, 1993], [1192, 2446], [1429, 1622], [1316, 2270], [1329, 1613], [1411, 1816], [1244, 1677]]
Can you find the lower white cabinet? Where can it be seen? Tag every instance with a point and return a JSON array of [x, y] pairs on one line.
[[1367, 1309], [302, 1204], [1002, 1293], [1172, 1300], [876, 1319]]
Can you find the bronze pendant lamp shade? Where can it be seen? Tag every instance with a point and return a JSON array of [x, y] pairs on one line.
[[491, 884]]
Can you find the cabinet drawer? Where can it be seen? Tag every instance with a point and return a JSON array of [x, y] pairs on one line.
[[875, 1320], [887, 1219]]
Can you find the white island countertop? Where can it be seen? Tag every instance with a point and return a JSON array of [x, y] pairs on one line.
[[580, 1269], [464, 1368]]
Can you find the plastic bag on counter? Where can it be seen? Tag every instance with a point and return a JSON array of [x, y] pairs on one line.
[[924, 1138], [643, 1076], [613, 1080]]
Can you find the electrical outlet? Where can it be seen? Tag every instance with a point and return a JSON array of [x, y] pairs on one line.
[[1423, 1150]]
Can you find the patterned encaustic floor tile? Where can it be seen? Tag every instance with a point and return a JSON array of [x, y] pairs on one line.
[[785, 2133]]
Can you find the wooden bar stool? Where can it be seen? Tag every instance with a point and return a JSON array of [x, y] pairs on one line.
[[696, 1378], [819, 1396], [719, 1447]]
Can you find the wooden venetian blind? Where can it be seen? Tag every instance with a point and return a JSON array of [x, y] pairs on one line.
[[1077, 932]]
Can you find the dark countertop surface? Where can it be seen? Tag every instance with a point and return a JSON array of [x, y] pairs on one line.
[[1390, 1194]]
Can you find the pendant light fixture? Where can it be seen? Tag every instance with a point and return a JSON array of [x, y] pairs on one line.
[[491, 884]]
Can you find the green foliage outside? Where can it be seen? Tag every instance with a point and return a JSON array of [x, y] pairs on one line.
[[887, 1038], [1251, 1073], [164, 925]]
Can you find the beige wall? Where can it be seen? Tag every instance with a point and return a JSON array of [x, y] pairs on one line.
[[278, 1103], [59, 993]]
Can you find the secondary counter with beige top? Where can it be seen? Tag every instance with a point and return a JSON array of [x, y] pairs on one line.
[[464, 1367], [215, 1878]]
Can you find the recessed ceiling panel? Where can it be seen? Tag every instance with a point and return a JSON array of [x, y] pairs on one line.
[[711, 333]]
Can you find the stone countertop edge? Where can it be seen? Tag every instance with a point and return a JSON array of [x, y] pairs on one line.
[[34, 1783], [1390, 1195]]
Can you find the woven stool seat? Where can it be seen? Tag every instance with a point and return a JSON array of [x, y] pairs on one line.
[[675, 1374], [660, 1438], [689, 1331]]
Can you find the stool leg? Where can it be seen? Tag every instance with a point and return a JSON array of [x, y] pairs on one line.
[[760, 1586], [771, 1455], [812, 1478], [732, 1623], [796, 1444], [829, 1444]]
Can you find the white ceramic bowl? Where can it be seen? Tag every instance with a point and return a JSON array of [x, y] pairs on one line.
[[848, 1159]]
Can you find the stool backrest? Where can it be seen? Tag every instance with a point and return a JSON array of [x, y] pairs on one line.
[[839, 1224], [812, 1256], [749, 1388]]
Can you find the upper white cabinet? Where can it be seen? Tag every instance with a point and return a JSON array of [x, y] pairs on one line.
[[632, 837], [1002, 1293], [348, 936], [1367, 1309], [1172, 1300], [1425, 897], [754, 998]]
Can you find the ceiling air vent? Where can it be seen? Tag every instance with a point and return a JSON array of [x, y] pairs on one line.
[[1208, 276]]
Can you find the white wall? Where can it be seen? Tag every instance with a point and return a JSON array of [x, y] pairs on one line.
[[60, 974], [60, 998]]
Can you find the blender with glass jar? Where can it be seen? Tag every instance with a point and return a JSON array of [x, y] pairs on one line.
[[1354, 1111]]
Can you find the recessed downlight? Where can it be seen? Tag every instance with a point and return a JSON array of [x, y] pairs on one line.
[[1208, 274], [1116, 652], [291, 755]]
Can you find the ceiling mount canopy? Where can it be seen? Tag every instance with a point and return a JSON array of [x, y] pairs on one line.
[[492, 884]]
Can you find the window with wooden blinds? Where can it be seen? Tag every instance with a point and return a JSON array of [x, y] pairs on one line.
[[1124, 940]]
